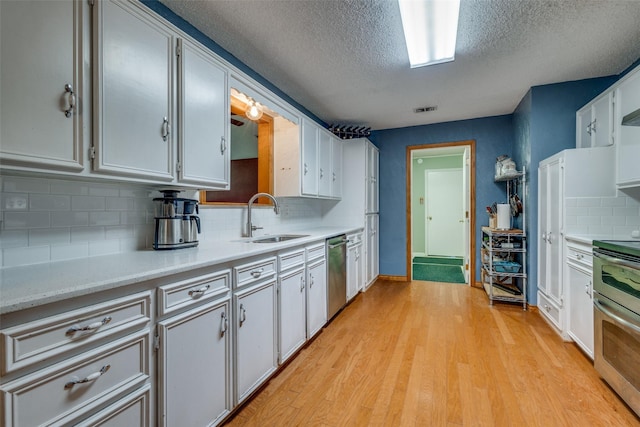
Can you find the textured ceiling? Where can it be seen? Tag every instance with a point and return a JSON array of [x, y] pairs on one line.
[[345, 60]]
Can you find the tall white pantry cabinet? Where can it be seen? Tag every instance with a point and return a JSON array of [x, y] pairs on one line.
[[360, 209], [570, 173]]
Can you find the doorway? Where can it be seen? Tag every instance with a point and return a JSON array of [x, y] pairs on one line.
[[441, 212]]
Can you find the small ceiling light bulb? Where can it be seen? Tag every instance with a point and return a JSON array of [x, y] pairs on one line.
[[253, 110]]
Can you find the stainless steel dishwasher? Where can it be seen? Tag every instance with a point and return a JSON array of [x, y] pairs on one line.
[[337, 270]]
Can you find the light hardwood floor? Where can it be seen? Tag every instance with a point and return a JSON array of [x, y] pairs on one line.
[[432, 354]]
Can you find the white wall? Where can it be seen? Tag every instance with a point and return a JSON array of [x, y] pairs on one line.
[[43, 219]]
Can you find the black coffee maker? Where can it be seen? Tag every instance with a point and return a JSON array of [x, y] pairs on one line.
[[177, 225]]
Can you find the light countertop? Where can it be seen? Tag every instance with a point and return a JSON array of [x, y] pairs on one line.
[[39, 284], [588, 239]]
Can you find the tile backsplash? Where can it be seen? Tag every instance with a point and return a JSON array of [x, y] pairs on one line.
[[46, 219], [611, 216]]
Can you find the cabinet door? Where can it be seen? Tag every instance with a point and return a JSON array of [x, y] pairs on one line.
[[602, 124], [336, 166], [292, 298], [554, 238], [324, 164], [372, 248], [195, 366], [316, 297], [543, 226], [354, 271], [309, 158], [41, 65], [583, 128], [255, 327], [372, 179], [628, 137], [204, 118], [580, 318], [133, 77]]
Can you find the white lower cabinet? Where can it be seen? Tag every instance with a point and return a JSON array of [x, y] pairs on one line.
[[132, 410], [355, 272], [255, 331], [578, 278], [194, 366], [292, 308], [78, 387], [316, 296]]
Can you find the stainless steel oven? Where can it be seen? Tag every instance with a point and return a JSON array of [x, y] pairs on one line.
[[616, 300]]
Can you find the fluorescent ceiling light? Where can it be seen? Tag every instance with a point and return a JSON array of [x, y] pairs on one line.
[[430, 29]]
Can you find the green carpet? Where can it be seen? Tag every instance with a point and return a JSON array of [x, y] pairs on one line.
[[437, 260], [437, 269], [438, 273]]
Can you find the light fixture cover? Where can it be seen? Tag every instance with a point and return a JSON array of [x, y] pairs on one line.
[[253, 110], [430, 30]]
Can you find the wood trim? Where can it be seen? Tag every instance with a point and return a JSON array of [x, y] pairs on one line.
[[472, 205], [393, 278]]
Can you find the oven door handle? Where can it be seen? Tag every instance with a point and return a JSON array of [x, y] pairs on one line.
[[616, 261], [615, 317]]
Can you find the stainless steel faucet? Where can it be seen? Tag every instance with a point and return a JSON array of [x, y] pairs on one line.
[[250, 227]]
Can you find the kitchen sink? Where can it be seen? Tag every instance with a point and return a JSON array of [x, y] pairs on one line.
[[278, 238]]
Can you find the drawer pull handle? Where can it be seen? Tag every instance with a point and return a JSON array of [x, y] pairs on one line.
[[301, 284], [225, 324], [197, 293], [72, 100], [257, 273], [243, 314], [90, 327], [88, 378], [311, 280]]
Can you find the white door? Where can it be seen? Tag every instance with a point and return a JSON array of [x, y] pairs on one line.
[[134, 75], [41, 55], [554, 232], [444, 210], [543, 226], [580, 322], [204, 118], [466, 197], [194, 356]]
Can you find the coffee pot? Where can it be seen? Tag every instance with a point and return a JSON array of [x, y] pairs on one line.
[[176, 225]]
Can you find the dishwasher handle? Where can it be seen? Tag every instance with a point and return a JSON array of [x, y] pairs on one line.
[[337, 245]]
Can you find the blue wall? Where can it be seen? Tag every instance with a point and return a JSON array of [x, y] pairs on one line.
[[493, 136]]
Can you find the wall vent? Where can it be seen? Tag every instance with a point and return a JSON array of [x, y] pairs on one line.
[[425, 109]]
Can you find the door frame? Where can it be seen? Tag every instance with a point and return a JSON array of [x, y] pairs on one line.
[[471, 144]]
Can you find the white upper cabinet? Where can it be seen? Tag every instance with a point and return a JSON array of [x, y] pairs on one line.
[[141, 64], [594, 122], [324, 164], [203, 118], [336, 168], [309, 144], [628, 146], [133, 75], [372, 179], [309, 163], [41, 85]]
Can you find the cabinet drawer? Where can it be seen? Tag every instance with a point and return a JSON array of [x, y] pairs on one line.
[[42, 339], [291, 259], [549, 310], [315, 251], [188, 292], [58, 394], [581, 255], [250, 273], [132, 410]]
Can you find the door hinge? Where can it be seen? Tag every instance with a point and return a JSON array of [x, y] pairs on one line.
[[156, 343], [466, 266], [92, 153], [178, 50], [92, 2], [178, 167], [466, 214]]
